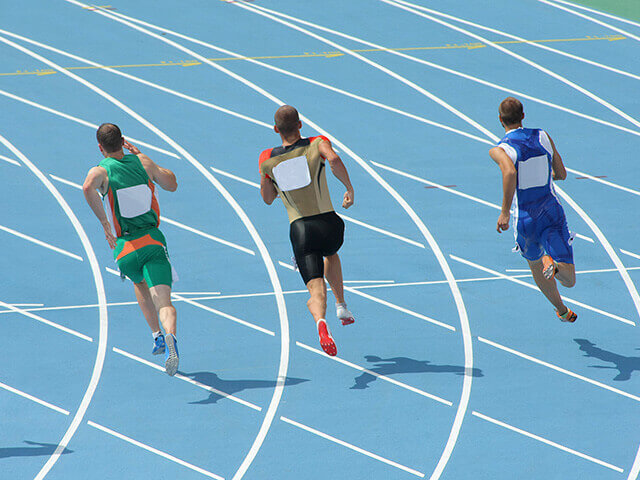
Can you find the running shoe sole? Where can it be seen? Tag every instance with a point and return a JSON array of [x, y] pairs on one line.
[[171, 364], [347, 320], [326, 341]]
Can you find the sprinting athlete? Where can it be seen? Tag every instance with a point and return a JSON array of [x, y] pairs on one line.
[[530, 162], [126, 182], [296, 172]]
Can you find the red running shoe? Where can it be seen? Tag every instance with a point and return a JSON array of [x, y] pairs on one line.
[[326, 340]]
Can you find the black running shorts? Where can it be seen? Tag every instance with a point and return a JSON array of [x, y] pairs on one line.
[[312, 239]]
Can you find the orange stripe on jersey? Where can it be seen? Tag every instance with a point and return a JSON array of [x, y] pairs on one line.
[[265, 155], [116, 225], [154, 202], [311, 140], [133, 245]]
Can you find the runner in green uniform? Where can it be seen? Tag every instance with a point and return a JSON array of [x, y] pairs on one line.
[[130, 220]]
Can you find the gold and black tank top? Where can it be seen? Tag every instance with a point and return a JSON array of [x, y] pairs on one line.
[[298, 173]]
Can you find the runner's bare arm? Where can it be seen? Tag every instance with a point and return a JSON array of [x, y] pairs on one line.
[[97, 180], [509, 182], [267, 190], [162, 176], [339, 170], [558, 170]]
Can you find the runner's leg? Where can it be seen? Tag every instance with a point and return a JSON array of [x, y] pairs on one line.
[[317, 302], [143, 295], [161, 295], [333, 274], [548, 287]]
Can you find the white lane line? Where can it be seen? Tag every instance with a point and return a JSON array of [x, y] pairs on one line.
[[377, 375], [400, 309], [76, 119], [534, 287], [604, 182], [286, 265], [591, 19], [352, 447], [598, 12], [559, 369], [188, 380], [520, 39], [33, 316], [41, 243], [10, 160], [547, 442], [175, 223], [631, 254], [33, 399], [154, 450], [222, 314], [381, 230], [464, 321], [207, 235], [273, 276], [368, 281], [139, 80], [112, 271], [402, 5], [28, 304], [235, 177], [344, 217], [459, 74], [102, 301], [455, 192], [196, 293]]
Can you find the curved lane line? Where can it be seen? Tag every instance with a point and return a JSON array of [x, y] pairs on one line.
[[102, 306], [466, 331], [284, 324]]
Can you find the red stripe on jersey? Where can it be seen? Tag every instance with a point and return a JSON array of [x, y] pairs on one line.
[[265, 155], [311, 139]]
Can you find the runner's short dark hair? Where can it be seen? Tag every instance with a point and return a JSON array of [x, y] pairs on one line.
[[287, 119], [109, 137], [511, 111]]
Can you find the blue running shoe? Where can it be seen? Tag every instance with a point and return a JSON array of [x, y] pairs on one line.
[[158, 348], [171, 357]]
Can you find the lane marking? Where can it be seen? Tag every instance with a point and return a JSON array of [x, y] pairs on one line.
[[10, 160], [33, 316], [559, 369], [102, 301], [631, 254], [286, 265], [591, 19], [352, 447], [534, 287], [377, 375], [197, 293], [455, 192], [461, 74], [76, 119], [547, 442], [515, 37], [31, 239], [222, 314], [400, 309], [175, 223], [33, 399], [235, 177], [155, 450], [468, 349], [189, 380], [273, 276], [604, 182]]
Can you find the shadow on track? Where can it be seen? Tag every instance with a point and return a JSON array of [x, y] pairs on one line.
[[38, 449], [389, 366], [625, 365]]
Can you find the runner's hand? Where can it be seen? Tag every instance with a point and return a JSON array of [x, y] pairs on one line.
[[132, 148], [111, 239], [503, 222], [347, 201]]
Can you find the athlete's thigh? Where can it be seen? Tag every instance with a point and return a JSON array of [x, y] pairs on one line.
[[156, 267], [131, 267], [527, 238], [161, 296], [334, 235], [557, 243]]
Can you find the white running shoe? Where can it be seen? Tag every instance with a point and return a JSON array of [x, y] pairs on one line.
[[171, 355], [345, 316]]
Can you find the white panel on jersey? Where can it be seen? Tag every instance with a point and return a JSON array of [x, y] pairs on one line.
[[533, 172], [509, 150], [292, 174], [545, 142], [134, 201]]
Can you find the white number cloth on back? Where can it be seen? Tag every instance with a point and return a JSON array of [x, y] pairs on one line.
[[292, 174], [533, 172], [134, 201]]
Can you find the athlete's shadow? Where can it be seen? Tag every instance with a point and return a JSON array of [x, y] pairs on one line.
[[625, 365], [39, 449], [233, 386], [389, 366]]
